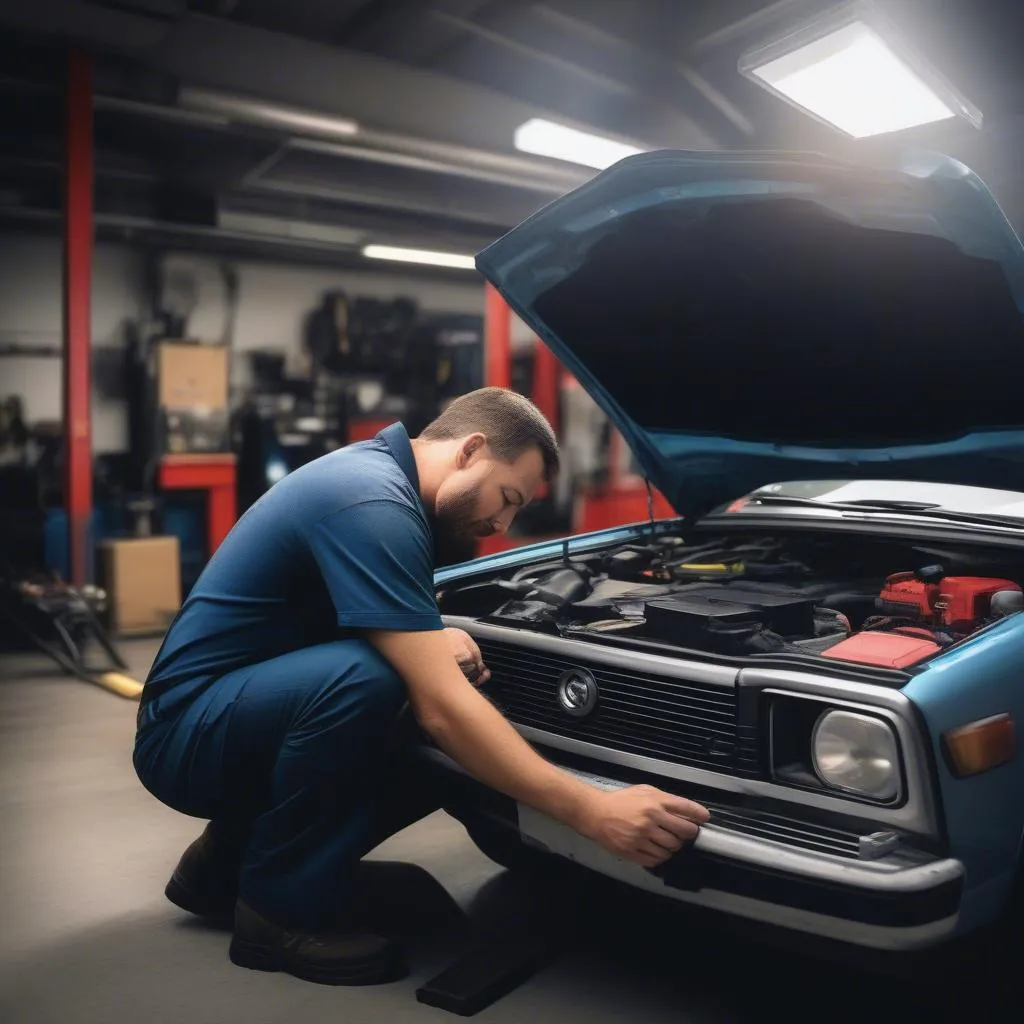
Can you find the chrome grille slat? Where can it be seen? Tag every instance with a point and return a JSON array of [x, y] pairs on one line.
[[609, 707], [804, 835], [666, 747]]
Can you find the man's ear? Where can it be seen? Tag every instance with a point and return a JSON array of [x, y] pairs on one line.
[[470, 448]]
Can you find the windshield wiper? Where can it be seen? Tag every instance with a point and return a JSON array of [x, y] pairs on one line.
[[860, 505], [925, 509]]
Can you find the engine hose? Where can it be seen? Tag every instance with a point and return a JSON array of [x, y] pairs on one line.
[[539, 570]]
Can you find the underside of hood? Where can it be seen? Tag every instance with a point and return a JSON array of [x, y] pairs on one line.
[[751, 318]]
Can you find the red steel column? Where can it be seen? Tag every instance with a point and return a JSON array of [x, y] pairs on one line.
[[497, 340], [546, 374], [78, 240]]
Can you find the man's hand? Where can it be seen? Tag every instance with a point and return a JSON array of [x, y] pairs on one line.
[[467, 654], [642, 824]]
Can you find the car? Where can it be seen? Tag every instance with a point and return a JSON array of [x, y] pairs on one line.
[[820, 365]]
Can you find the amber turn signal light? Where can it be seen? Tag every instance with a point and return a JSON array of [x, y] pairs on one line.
[[981, 745]]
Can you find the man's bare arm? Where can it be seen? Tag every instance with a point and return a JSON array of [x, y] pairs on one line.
[[639, 823]]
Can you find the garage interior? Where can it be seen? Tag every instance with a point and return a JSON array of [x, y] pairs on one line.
[[238, 234]]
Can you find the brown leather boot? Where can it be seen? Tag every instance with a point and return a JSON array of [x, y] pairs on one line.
[[205, 882], [339, 957]]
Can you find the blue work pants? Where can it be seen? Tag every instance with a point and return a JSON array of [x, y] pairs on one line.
[[301, 763]]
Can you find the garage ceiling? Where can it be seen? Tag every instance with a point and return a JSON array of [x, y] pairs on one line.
[[245, 125]]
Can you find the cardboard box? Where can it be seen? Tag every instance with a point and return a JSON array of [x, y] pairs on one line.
[[142, 577], [192, 378]]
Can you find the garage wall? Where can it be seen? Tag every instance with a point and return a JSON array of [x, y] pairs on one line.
[[273, 301], [31, 314]]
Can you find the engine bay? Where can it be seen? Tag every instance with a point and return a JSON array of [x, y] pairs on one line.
[[859, 600]]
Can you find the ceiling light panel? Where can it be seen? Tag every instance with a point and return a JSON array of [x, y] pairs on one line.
[[850, 72]]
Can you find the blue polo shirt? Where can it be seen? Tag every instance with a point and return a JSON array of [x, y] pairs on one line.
[[341, 544]]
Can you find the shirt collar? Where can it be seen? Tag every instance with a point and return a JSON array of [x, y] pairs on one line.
[[397, 441]]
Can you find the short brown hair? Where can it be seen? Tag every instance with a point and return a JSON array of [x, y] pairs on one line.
[[511, 423]]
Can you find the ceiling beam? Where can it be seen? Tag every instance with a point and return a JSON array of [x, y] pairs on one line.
[[755, 22], [372, 91], [354, 141], [536, 54], [699, 89], [404, 202], [600, 84], [234, 57], [88, 24], [373, 19], [429, 165], [232, 243]]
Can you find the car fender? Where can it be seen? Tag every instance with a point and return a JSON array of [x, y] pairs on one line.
[[984, 813]]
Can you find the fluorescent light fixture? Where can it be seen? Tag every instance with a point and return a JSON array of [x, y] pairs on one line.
[[434, 259], [848, 71], [258, 112], [545, 138]]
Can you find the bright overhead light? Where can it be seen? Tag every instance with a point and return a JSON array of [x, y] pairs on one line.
[[854, 77], [545, 138], [434, 259], [853, 80]]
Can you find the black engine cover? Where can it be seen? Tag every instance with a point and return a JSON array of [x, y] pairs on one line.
[[726, 618]]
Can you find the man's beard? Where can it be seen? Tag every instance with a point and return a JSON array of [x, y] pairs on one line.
[[455, 529]]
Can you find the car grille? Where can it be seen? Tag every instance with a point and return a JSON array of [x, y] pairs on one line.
[[638, 712]]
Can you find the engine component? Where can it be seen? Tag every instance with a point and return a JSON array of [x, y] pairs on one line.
[[829, 622], [965, 602], [898, 649], [910, 595], [729, 618], [469, 598], [539, 614], [959, 603], [629, 563], [830, 627], [697, 570], [561, 587], [1006, 602], [616, 598], [857, 605], [605, 626]]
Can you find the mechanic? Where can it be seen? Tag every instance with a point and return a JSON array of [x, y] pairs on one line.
[[274, 708]]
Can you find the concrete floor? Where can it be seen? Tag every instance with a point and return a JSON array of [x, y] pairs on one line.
[[87, 936]]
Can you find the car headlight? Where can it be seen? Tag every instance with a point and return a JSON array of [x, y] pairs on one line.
[[856, 753]]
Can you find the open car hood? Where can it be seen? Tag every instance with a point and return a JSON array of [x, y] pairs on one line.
[[748, 318]]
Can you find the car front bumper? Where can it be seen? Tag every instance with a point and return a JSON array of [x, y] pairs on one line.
[[904, 901]]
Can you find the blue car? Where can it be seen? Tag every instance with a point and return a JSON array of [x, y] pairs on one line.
[[821, 366]]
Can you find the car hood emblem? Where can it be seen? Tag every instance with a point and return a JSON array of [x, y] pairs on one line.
[[577, 692]]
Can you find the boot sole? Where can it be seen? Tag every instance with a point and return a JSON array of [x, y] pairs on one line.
[[257, 957]]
